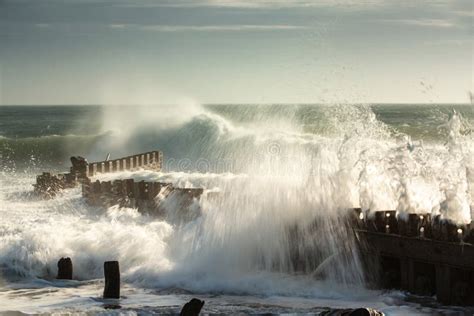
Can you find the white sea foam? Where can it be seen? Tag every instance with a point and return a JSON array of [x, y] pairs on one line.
[[275, 180]]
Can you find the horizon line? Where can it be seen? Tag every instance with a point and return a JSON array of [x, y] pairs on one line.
[[246, 103]]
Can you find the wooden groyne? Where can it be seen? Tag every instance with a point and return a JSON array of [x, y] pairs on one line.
[[419, 253], [48, 185], [146, 196], [151, 160], [142, 195]]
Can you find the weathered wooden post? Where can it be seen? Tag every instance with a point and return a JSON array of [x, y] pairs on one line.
[[118, 187], [406, 273], [469, 238], [129, 187], [65, 269], [106, 187], [112, 279], [147, 158], [192, 308], [391, 222], [384, 222], [160, 160], [142, 160], [96, 187], [443, 283], [150, 191], [94, 169], [102, 167]]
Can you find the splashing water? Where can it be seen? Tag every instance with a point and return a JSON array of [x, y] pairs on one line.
[[278, 180]]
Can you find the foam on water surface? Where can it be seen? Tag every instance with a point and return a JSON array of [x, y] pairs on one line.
[[275, 176]]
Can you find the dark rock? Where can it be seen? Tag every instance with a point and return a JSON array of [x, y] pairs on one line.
[[192, 308], [365, 312]]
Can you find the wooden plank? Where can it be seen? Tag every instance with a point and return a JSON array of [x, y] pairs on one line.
[[443, 283], [423, 250]]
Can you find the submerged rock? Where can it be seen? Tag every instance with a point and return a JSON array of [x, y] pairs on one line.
[[365, 312], [354, 312]]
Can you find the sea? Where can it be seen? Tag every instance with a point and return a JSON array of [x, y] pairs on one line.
[[273, 166]]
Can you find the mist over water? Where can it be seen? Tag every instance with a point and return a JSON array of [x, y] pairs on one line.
[[278, 182]]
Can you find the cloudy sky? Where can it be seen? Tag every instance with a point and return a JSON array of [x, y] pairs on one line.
[[235, 51]]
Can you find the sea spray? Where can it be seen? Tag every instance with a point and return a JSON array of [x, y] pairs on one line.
[[283, 184]]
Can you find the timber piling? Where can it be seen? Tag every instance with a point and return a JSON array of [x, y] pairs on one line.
[[421, 254]]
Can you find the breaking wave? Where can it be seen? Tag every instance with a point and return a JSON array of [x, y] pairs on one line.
[[284, 178]]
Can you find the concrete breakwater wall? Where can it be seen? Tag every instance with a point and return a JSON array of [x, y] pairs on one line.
[[419, 253], [147, 197]]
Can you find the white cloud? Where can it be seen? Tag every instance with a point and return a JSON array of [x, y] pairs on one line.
[[465, 13], [209, 28], [117, 26], [255, 4], [450, 42], [438, 23]]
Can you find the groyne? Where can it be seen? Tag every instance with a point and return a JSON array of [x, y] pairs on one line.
[[423, 254], [418, 253], [142, 195], [48, 185]]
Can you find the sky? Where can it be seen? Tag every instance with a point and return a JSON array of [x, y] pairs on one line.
[[235, 51]]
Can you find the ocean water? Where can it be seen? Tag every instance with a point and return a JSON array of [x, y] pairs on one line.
[[277, 168]]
